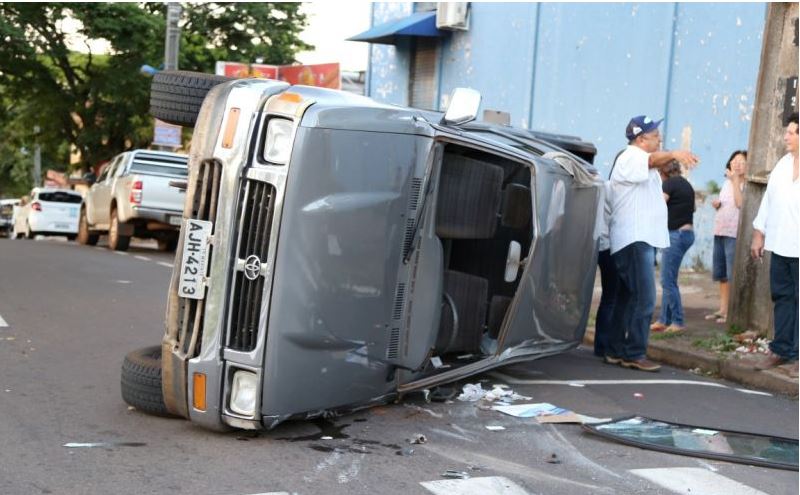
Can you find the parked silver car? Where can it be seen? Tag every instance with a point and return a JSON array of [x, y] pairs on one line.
[[133, 197], [337, 252]]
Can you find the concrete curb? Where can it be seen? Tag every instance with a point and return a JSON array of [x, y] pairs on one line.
[[733, 369]]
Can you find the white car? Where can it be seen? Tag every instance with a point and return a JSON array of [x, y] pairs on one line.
[[49, 211]]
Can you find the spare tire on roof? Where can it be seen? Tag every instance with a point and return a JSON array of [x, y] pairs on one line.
[[176, 95]]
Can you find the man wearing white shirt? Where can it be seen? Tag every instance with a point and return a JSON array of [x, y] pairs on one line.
[[638, 225], [777, 228]]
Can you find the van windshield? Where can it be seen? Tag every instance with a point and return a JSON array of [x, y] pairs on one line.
[[60, 197]]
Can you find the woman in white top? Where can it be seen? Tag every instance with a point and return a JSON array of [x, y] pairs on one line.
[[726, 223]]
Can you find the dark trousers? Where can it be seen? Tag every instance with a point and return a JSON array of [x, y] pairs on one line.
[[783, 282], [636, 299], [604, 321]]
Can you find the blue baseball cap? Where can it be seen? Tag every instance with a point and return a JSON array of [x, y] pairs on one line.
[[639, 125]]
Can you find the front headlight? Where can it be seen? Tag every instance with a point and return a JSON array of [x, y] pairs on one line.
[[278, 144], [244, 393]]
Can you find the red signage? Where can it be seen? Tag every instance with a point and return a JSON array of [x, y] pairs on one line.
[[321, 75]]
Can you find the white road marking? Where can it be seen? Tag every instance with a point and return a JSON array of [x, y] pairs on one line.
[[707, 465], [519, 470], [164, 263], [123, 281], [3, 322], [579, 383], [754, 392], [143, 258], [490, 485], [694, 480], [123, 253]]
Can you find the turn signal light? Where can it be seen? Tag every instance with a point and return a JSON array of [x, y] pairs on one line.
[[199, 391]]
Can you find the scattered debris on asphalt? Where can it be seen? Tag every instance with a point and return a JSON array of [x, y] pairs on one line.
[[452, 473], [419, 409], [553, 459], [473, 392], [405, 452], [418, 438], [89, 445], [495, 427], [638, 395]]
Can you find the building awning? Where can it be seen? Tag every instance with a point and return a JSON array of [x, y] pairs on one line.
[[417, 24]]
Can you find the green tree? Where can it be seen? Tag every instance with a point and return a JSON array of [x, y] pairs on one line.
[[97, 103]]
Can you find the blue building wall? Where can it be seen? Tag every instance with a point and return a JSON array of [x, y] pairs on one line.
[[585, 69]]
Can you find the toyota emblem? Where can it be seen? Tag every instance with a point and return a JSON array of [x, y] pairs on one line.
[[252, 267]]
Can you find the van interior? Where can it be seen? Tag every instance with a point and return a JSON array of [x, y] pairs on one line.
[[483, 206]]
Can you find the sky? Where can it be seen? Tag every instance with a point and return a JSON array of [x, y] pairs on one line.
[[330, 24]]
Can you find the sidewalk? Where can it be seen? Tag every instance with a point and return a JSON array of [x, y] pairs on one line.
[[707, 347]]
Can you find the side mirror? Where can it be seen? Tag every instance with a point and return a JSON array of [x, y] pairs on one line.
[[463, 108]]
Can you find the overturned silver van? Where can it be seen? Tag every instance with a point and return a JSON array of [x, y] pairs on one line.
[[337, 253]]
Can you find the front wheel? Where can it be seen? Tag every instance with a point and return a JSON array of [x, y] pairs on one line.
[[117, 241], [85, 236], [141, 381]]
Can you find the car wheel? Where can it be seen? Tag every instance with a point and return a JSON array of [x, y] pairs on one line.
[[176, 96], [117, 241], [71, 237], [167, 243], [85, 237], [141, 381]]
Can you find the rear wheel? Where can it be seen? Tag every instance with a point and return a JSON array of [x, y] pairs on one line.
[[71, 237], [117, 241], [141, 381], [167, 243], [85, 237], [176, 96]]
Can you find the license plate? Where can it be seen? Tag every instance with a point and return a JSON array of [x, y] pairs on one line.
[[195, 258], [175, 220]]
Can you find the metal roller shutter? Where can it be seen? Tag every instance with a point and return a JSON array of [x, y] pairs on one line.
[[422, 90]]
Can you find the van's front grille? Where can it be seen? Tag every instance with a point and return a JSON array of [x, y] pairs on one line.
[[203, 207], [255, 224]]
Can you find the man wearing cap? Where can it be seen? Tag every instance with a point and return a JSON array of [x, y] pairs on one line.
[[638, 225]]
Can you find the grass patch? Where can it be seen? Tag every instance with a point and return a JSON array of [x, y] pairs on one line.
[[665, 335], [717, 343], [734, 329]]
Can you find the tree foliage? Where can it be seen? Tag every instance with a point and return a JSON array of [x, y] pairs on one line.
[[97, 103]]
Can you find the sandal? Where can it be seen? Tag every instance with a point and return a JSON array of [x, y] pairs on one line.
[[722, 319], [714, 316], [658, 327], [675, 329]]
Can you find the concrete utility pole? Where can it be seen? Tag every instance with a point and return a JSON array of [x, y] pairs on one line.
[[750, 305], [173, 36], [37, 158]]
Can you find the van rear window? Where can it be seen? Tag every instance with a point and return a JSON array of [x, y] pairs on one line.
[[147, 168], [60, 197]]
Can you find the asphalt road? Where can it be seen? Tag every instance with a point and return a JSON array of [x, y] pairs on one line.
[[72, 312]]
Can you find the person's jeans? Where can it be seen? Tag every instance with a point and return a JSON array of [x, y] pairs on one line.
[[636, 299], [604, 321], [671, 307], [783, 282]]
